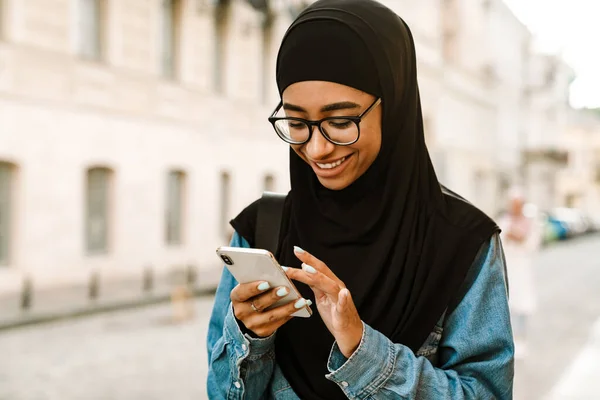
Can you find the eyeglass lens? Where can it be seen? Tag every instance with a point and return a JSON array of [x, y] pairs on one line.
[[339, 130]]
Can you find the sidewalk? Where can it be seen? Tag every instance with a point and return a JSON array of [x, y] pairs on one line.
[[580, 379], [563, 359], [74, 301]]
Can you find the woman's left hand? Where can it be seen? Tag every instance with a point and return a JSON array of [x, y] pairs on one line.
[[332, 299]]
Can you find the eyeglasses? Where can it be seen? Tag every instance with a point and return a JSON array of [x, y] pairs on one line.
[[341, 131]]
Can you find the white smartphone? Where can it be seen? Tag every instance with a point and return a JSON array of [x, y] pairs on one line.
[[250, 265]]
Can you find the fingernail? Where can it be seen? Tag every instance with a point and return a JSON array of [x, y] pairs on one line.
[[309, 303], [300, 303], [343, 295], [282, 292], [299, 250], [263, 286], [308, 269], [285, 268]]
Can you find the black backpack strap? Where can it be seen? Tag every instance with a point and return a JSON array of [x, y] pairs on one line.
[[268, 221]]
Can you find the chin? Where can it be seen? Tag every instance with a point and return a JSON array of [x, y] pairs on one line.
[[334, 184]]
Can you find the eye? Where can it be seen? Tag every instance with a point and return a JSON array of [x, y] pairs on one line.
[[296, 125], [340, 123]]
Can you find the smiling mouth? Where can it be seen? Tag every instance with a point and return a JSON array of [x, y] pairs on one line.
[[332, 169], [331, 165]]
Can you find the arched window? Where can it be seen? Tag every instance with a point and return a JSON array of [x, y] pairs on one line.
[[91, 28], [174, 210], [97, 212], [268, 19], [6, 210], [2, 19], [225, 201], [221, 26], [170, 37]]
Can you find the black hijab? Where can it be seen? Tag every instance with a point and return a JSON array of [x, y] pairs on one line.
[[400, 242]]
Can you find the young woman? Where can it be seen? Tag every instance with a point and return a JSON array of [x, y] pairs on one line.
[[522, 238], [408, 278]]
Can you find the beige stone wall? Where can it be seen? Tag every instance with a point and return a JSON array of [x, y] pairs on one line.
[[39, 60], [60, 114]]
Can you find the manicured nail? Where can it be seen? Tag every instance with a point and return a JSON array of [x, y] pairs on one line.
[[299, 250], [300, 303], [309, 303], [308, 269], [282, 292], [263, 286], [284, 268], [343, 297]]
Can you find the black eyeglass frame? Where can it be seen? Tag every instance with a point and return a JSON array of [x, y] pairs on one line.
[[356, 119]]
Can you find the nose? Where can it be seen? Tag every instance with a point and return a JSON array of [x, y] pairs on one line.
[[318, 147]]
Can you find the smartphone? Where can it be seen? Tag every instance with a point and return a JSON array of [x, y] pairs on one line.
[[250, 265]]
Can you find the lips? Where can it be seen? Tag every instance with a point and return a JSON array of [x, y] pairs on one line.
[[332, 169], [331, 165]]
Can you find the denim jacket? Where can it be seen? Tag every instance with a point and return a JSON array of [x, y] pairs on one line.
[[468, 355]]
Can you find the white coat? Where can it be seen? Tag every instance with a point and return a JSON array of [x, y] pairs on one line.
[[520, 258]]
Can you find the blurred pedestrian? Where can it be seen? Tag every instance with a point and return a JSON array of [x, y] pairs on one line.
[[521, 237], [407, 277]]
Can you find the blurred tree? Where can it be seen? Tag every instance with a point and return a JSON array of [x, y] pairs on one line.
[[595, 110]]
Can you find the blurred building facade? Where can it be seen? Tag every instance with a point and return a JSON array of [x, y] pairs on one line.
[[579, 183], [494, 108], [544, 155], [131, 131]]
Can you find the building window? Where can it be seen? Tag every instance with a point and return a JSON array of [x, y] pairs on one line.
[[174, 207], [91, 28], [221, 24], [97, 209], [6, 194], [269, 184], [225, 203], [170, 38], [2, 21], [265, 59]]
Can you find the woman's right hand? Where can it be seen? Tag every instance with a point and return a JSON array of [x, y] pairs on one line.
[[263, 323]]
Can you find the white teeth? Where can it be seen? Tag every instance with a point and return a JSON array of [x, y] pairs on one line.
[[332, 165]]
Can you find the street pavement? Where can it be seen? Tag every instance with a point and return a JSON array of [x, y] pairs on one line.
[[568, 279], [140, 354], [53, 303], [144, 354], [576, 382]]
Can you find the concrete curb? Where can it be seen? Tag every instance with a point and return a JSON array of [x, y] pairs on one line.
[[28, 319]]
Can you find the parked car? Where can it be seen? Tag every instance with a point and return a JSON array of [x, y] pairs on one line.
[[593, 223], [576, 222], [554, 229]]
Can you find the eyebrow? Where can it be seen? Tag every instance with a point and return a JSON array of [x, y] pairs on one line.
[[343, 105]]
